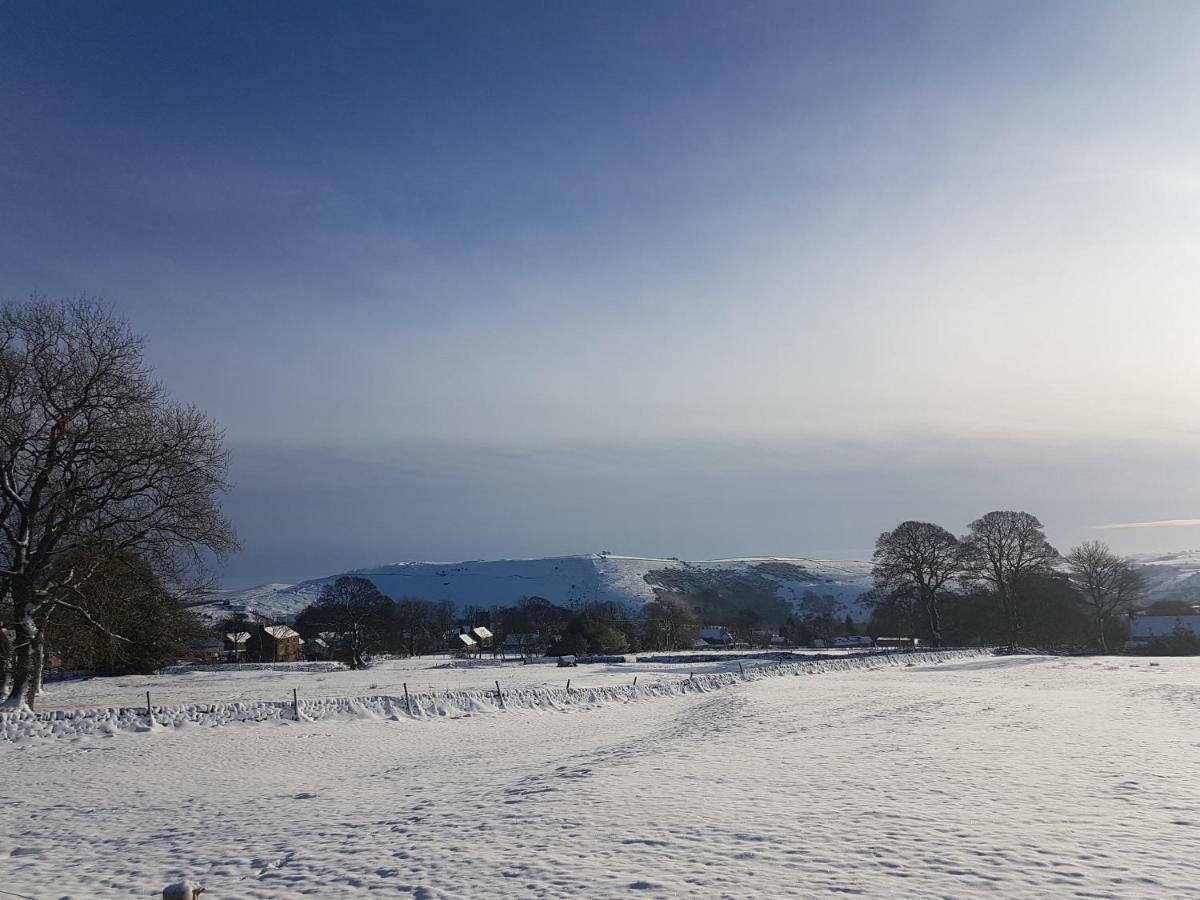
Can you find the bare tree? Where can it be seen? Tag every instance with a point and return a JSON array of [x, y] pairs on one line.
[[669, 623], [918, 558], [355, 610], [92, 454], [1108, 584], [1001, 549]]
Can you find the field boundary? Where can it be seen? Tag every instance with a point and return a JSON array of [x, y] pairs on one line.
[[418, 706]]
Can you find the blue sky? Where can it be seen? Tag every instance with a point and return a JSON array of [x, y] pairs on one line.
[[697, 279]]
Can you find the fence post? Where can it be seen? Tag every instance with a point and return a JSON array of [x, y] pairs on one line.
[[635, 681], [568, 685], [295, 704], [741, 671], [149, 711], [500, 694], [407, 702]]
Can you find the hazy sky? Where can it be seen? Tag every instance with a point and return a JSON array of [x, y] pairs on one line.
[[694, 279]]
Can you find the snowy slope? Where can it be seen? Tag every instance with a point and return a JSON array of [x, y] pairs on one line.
[[1171, 576], [564, 580], [573, 580]]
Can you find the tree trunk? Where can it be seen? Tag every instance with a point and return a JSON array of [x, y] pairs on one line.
[[935, 619], [5, 661], [1103, 639], [25, 632], [1008, 599], [38, 664]]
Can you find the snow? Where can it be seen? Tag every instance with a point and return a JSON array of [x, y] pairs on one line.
[[245, 682], [565, 580], [573, 580], [1013, 776]]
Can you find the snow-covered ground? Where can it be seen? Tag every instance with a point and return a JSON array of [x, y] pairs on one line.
[[1017, 776], [223, 684]]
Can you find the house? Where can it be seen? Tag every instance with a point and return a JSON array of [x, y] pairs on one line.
[[1146, 628], [713, 637], [234, 646], [316, 649], [273, 643], [482, 636], [464, 643]]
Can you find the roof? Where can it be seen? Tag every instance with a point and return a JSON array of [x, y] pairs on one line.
[[715, 634], [1162, 626], [481, 633], [466, 639], [280, 632], [238, 637]]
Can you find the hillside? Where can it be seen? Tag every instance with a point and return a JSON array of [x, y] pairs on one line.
[[574, 580], [567, 581]]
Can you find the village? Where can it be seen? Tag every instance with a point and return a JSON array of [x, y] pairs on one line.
[[243, 640]]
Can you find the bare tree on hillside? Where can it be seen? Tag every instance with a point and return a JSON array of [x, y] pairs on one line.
[[1001, 549], [922, 558], [1108, 584], [92, 455]]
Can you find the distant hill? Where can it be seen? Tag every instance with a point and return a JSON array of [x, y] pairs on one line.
[[565, 580], [630, 580], [1171, 576]]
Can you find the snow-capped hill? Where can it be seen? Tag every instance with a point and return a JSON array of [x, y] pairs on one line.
[[569, 581], [1171, 576]]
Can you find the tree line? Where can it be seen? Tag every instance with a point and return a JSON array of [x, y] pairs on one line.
[[1001, 583]]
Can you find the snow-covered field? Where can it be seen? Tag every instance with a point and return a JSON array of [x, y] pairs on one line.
[[1018, 776], [223, 684]]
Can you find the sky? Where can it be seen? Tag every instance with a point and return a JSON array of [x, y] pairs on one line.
[[698, 279]]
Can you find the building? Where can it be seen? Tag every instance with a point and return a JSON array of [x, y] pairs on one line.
[[1146, 628], [464, 643], [316, 649], [234, 646], [273, 643], [713, 637]]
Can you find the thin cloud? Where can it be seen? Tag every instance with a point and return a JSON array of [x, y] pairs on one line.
[[1164, 523]]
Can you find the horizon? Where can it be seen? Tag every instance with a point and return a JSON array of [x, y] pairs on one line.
[[468, 282]]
